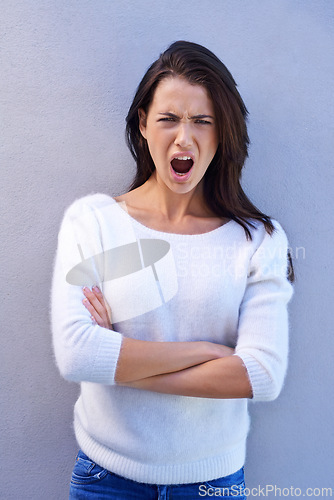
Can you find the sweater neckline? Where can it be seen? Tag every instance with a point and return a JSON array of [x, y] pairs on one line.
[[213, 232]]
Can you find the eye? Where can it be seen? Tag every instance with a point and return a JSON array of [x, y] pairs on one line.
[[203, 122], [167, 119]]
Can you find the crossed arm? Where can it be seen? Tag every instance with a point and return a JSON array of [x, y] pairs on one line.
[[198, 369]]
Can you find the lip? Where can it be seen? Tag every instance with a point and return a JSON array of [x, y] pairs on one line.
[[180, 178], [183, 153], [186, 176]]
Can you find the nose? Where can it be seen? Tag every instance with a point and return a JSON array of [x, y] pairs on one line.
[[183, 136]]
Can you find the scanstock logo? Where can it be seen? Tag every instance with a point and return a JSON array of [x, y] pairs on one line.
[[136, 276]]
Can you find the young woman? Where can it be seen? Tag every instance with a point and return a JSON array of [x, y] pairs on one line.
[[188, 316]]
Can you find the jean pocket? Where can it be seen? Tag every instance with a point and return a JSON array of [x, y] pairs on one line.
[[86, 471]]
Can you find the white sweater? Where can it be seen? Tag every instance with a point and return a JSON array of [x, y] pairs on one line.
[[216, 286]]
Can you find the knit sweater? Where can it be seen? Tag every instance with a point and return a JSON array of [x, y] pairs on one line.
[[217, 286]]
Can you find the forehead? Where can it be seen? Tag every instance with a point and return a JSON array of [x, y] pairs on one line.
[[176, 94]]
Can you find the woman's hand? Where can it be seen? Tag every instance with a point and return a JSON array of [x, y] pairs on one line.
[[140, 359], [97, 306]]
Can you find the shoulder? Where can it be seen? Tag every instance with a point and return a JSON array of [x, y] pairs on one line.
[[88, 208], [270, 251], [80, 227], [89, 202], [261, 236], [83, 213]]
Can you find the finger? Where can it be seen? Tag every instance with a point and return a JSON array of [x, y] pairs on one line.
[[100, 305], [102, 300], [92, 311], [95, 317], [95, 302], [97, 292]]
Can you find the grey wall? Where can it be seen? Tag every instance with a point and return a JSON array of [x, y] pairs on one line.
[[68, 73]]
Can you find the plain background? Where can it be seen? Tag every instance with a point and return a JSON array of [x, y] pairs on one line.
[[69, 70]]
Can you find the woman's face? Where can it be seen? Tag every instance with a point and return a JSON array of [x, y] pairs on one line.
[[181, 133]]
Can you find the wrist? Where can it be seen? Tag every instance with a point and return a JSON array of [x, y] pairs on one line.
[[208, 351], [220, 350]]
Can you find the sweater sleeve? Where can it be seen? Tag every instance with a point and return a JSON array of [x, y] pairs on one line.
[[83, 351], [263, 317]]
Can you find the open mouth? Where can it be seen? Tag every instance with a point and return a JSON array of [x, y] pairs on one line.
[[181, 165]]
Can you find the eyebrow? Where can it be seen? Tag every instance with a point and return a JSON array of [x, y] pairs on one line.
[[195, 117]]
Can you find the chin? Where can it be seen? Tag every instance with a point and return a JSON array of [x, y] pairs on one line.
[[182, 188]]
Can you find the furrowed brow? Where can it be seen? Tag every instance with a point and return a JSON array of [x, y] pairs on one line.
[[171, 115], [199, 117], [195, 117]]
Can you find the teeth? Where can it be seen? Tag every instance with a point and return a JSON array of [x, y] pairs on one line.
[[183, 158]]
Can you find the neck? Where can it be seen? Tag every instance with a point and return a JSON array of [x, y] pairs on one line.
[[173, 206]]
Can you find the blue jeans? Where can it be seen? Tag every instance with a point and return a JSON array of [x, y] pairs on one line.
[[90, 481]]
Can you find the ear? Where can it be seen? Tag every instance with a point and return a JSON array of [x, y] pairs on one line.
[[142, 122]]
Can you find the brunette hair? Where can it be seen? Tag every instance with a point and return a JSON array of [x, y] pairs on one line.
[[221, 183]]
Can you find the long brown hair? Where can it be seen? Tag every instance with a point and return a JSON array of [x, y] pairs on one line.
[[221, 183]]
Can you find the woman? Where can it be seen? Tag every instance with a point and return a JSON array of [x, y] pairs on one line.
[[189, 316]]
